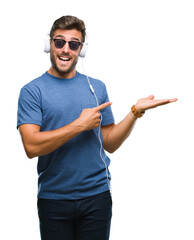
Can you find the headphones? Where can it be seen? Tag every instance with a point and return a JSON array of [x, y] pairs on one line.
[[83, 51]]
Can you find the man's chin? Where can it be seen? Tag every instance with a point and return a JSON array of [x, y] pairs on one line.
[[62, 69]]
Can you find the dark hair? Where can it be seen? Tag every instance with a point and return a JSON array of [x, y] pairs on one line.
[[69, 23]]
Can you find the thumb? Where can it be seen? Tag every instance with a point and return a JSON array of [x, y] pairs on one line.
[[150, 97]]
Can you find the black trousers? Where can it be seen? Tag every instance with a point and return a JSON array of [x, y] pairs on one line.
[[85, 219]]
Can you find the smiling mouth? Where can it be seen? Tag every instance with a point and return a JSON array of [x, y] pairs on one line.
[[65, 59]]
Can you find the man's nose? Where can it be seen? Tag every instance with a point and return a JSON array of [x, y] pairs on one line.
[[66, 48]]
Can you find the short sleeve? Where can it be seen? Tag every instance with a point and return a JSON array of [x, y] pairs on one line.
[[29, 107], [107, 114]]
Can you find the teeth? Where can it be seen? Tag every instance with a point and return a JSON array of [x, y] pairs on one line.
[[64, 58]]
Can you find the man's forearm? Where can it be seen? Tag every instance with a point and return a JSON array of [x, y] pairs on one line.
[[41, 143], [115, 136]]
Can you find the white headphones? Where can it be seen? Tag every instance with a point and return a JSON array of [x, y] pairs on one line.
[[82, 52]]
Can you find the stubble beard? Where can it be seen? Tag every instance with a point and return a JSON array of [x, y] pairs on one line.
[[59, 70]]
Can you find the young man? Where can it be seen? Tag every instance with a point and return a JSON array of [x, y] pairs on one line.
[[61, 123]]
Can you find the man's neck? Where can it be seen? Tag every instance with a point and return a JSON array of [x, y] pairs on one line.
[[55, 73]]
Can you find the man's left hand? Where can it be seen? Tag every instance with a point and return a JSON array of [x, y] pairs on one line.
[[144, 104]]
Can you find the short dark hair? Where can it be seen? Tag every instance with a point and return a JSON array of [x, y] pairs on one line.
[[69, 22]]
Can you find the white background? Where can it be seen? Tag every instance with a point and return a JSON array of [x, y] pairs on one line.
[[137, 48]]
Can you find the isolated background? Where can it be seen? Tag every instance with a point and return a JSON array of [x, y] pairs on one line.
[[137, 48]]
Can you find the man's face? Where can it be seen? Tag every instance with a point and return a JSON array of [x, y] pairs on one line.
[[64, 59]]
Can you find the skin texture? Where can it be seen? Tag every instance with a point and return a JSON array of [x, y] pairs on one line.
[[38, 143]]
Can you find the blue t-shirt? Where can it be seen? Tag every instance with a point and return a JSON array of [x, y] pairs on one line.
[[75, 170]]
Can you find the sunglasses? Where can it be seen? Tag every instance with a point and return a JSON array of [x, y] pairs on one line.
[[60, 43]]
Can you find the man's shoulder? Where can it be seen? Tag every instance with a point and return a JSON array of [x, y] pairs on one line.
[[35, 83]]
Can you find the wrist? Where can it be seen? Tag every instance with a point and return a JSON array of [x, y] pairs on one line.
[[136, 112], [78, 125]]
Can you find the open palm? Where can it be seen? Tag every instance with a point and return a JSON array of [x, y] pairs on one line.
[[144, 104]]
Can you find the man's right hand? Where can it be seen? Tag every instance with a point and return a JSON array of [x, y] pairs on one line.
[[90, 117]]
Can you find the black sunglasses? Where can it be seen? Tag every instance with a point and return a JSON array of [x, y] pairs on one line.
[[60, 43]]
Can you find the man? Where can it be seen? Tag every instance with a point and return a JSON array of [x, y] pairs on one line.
[[59, 121]]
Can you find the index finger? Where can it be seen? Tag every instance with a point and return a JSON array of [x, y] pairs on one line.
[[102, 106]]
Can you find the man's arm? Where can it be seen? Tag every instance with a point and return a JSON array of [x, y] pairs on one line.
[[37, 143], [114, 135]]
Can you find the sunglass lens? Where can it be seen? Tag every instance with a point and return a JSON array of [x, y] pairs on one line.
[[74, 45], [59, 43]]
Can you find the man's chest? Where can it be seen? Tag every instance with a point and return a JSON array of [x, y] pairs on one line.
[[62, 105]]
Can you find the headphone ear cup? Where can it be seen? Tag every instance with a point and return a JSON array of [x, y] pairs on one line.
[[83, 50], [47, 46], [84, 47]]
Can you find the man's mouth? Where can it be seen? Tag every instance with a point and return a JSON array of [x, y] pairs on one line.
[[65, 59]]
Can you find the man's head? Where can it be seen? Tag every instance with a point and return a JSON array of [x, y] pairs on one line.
[[67, 37], [69, 23]]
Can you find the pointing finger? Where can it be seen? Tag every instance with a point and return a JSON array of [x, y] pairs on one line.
[[102, 106]]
